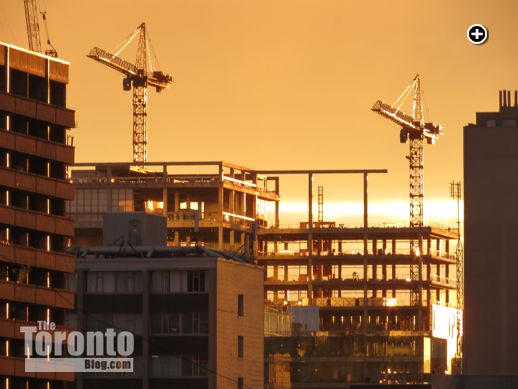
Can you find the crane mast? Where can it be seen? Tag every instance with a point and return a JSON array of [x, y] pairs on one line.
[[33, 27], [139, 78], [140, 100], [416, 160]]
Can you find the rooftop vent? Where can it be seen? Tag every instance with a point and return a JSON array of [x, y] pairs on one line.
[[505, 99]]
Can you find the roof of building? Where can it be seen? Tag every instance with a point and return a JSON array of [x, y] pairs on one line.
[[128, 250]]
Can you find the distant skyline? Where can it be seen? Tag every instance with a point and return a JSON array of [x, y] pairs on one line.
[[288, 84]]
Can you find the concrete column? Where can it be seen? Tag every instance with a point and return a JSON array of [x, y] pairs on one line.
[[374, 277], [277, 213], [393, 277], [254, 216], [109, 190], [437, 291], [164, 200], [81, 320], [447, 275], [176, 206], [310, 238], [145, 330], [232, 239], [213, 367], [164, 189], [384, 278], [420, 285], [365, 248], [220, 208]]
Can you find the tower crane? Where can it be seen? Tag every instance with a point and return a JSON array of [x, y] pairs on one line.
[[137, 77], [33, 28], [415, 131]]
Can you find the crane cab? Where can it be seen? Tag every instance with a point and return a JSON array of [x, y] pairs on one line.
[[126, 84]]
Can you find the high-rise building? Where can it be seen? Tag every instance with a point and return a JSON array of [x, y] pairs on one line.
[[196, 313], [35, 152], [491, 240]]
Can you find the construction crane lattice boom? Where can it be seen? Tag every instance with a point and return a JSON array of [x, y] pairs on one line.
[[138, 78]]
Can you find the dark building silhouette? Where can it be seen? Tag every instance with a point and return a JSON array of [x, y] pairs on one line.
[[491, 240]]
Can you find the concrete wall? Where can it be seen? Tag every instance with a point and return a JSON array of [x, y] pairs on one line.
[[491, 249], [137, 228], [475, 382], [233, 279]]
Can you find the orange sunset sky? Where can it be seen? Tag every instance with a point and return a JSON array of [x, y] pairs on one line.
[[288, 84]]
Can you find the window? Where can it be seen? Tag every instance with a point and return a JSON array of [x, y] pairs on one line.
[[240, 346], [166, 323], [196, 281], [240, 305], [99, 281], [240, 383], [166, 282]]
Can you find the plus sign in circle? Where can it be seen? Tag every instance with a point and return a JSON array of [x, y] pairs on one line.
[[477, 34]]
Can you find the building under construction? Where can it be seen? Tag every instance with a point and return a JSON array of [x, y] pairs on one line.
[[365, 303]]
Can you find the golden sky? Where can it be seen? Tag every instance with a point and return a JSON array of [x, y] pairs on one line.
[[286, 83]]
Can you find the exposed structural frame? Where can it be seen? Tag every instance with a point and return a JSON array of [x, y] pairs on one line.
[[311, 224]]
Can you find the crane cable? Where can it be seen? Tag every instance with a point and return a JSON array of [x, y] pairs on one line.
[[126, 42], [147, 52], [403, 97], [153, 51], [43, 7]]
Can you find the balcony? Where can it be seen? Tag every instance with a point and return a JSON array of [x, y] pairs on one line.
[[11, 328], [38, 221], [35, 183], [29, 256], [12, 366], [37, 110], [38, 147], [39, 295]]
